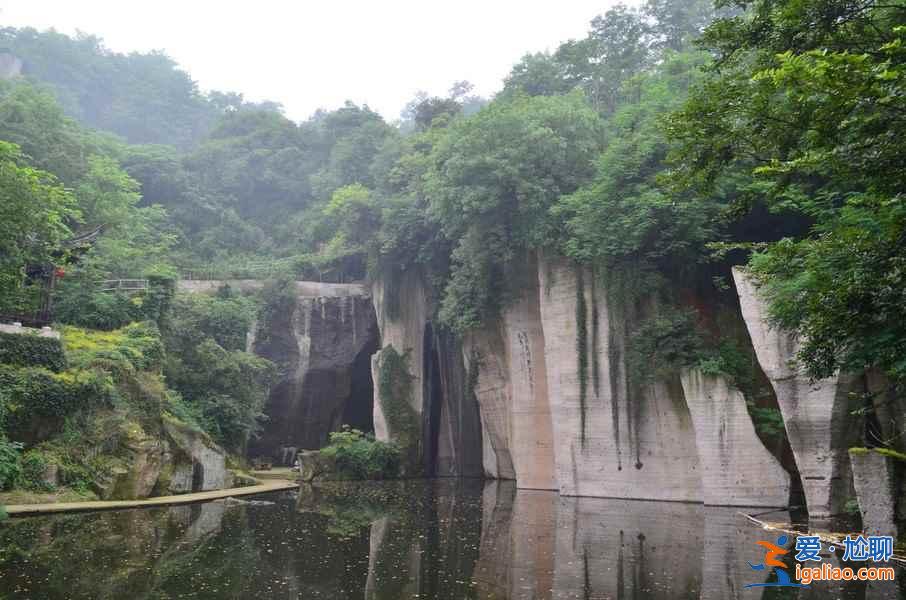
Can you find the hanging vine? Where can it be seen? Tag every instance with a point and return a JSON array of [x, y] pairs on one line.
[[582, 347]]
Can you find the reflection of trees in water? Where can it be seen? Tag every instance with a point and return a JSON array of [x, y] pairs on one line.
[[126, 554]]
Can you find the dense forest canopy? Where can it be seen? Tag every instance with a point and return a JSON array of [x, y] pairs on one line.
[[676, 139]]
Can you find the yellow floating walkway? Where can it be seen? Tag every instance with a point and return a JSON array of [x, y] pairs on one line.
[[272, 485]]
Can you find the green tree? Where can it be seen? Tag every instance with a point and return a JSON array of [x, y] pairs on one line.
[[222, 388], [616, 49], [144, 98], [625, 216], [806, 99], [494, 178], [538, 74], [34, 213]]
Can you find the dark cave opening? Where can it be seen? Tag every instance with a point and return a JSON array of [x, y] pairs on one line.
[[433, 399], [358, 409]]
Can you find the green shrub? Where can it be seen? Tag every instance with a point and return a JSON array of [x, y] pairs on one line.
[[30, 350], [136, 346], [226, 318], [223, 391], [9, 462], [34, 394], [34, 464], [768, 422], [395, 390], [156, 302], [663, 343], [82, 304], [360, 456], [851, 507], [730, 360]]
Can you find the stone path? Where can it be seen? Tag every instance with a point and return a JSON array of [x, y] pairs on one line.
[[272, 485]]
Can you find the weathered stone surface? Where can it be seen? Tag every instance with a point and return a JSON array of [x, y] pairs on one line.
[[877, 482], [620, 444], [137, 480], [459, 451], [814, 412], [402, 312], [322, 345], [138, 466], [51, 475], [314, 465], [532, 438], [318, 345], [198, 464], [511, 388], [890, 410], [736, 468], [484, 351], [449, 422]]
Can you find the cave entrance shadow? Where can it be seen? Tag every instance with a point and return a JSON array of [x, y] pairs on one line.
[[433, 400], [358, 409]]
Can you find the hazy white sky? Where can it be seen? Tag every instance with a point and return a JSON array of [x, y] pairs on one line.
[[309, 54]]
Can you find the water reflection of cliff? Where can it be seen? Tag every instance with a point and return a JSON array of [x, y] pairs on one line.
[[505, 544], [446, 539]]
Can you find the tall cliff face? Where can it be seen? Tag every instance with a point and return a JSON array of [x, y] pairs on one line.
[[322, 345], [556, 407], [610, 440], [402, 311], [814, 412], [507, 362], [486, 362], [446, 431]]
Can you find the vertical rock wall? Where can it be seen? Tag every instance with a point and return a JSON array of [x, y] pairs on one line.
[[459, 451], [878, 482], [508, 365], [316, 344], [556, 406], [485, 357], [736, 468], [532, 437], [612, 442], [814, 412], [404, 312]]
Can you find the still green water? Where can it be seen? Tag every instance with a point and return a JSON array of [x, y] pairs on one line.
[[444, 539]]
